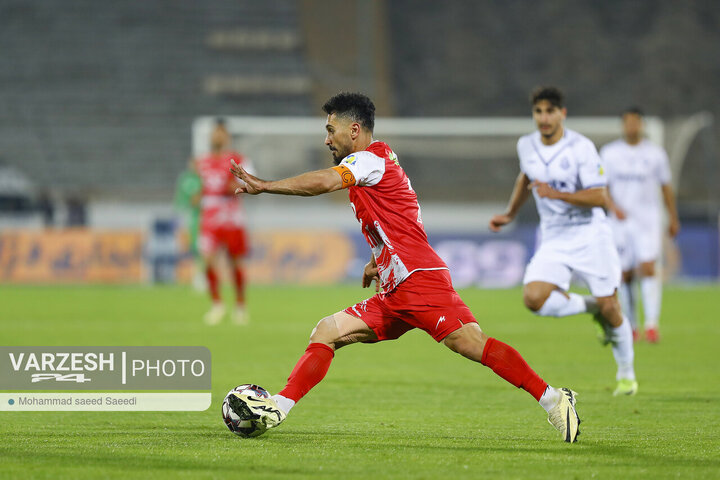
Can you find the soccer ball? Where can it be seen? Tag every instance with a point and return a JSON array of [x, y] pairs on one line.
[[243, 428]]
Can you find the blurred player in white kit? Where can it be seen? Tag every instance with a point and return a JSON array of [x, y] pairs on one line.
[[564, 171], [637, 168]]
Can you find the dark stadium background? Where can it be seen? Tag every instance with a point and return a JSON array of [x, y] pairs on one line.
[[99, 104], [97, 98]]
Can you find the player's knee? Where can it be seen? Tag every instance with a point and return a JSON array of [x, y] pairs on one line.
[[238, 260], [325, 332], [469, 344], [534, 300], [627, 276], [647, 269], [609, 308]]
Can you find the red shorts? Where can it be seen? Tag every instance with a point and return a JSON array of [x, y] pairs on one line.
[[234, 239], [425, 300]]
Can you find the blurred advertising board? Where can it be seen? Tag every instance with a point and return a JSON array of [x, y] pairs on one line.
[[70, 256], [484, 260], [328, 256], [308, 257]]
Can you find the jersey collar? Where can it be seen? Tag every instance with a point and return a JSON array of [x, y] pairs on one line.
[[548, 161]]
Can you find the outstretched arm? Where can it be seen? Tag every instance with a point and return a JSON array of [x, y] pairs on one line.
[[519, 195], [306, 185], [588, 198]]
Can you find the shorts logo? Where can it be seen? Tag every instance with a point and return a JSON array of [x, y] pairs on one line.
[[440, 320], [363, 307]]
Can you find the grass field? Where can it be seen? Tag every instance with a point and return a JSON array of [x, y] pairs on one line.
[[402, 409]]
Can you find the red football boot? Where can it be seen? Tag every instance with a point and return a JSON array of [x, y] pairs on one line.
[[652, 335]]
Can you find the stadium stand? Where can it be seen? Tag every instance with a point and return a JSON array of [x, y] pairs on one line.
[[106, 109]]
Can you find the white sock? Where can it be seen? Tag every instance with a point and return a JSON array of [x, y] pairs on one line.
[[558, 305], [623, 350], [652, 293], [549, 398], [626, 295], [284, 403]]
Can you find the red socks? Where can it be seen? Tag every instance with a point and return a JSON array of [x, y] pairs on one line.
[[239, 276], [308, 371], [507, 363], [504, 360], [213, 284]]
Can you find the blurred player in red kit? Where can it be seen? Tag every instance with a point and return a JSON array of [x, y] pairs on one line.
[[222, 223]]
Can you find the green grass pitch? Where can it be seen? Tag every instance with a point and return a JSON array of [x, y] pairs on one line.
[[403, 409]]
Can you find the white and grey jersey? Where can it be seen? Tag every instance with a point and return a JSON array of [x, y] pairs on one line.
[[635, 175], [569, 165]]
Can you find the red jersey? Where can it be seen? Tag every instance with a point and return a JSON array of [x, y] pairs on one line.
[[389, 214], [220, 207]]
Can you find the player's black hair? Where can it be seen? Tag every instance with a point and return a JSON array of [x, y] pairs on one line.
[[634, 110], [355, 106], [220, 122], [551, 94]]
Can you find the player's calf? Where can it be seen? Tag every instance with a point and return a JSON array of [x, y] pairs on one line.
[[561, 304]]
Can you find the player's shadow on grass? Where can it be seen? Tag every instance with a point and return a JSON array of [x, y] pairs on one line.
[[588, 451], [144, 465], [176, 449]]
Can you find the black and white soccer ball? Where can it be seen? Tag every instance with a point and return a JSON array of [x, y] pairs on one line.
[[243, 428]]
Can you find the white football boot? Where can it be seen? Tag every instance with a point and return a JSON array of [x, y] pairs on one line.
[[215, 315], [564, 417], [241, 315], [256, 409]]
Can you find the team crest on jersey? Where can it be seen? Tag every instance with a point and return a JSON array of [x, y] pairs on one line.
[[394, 158], [350, 159], [601, 170], [564, 163]]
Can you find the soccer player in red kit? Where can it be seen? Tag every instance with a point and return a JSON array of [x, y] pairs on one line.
[[416, 288], [222, 223]]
